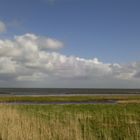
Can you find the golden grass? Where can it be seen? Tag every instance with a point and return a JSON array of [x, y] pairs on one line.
[[15, 125], [91, 122], [129, 101]]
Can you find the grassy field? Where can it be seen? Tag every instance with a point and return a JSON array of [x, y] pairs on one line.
[[70, 122]]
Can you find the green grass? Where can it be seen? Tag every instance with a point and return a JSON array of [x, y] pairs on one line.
[[70, 122], [92, 122]]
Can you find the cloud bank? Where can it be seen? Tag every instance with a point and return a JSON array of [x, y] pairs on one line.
[[34, 58]]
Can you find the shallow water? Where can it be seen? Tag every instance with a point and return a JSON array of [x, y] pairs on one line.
[[60, 103]]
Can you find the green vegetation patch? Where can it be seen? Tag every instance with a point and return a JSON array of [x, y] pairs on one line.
[[90, 122], [70, 122]]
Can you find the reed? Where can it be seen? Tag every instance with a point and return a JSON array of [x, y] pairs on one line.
[[70, 122]]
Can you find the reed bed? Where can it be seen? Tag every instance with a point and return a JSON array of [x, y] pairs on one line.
[[70, 122]]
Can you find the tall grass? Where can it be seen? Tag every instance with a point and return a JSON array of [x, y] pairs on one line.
[[70, 122]]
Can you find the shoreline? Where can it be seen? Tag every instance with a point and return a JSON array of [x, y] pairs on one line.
[[61, 95], [59, 102]]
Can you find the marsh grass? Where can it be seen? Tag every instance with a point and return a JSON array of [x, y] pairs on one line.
[[70, 122]]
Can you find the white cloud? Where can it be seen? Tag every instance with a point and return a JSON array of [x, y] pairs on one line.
[[32, 41], [34, 77], [7, 65], [2, 27], [26, 58]]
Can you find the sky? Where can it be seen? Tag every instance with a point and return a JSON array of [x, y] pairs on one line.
[[70, 43]]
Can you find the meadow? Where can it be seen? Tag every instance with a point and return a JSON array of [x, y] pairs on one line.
[[70, 122]]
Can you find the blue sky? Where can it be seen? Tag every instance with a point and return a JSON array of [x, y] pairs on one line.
[[105, 29]]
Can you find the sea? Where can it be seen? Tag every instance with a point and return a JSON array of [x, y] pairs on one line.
[[66, 91]]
